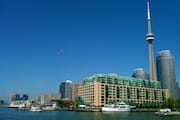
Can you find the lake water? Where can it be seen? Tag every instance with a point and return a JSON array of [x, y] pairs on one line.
[[13, 114]]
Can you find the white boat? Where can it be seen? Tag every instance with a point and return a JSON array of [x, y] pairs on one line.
[[35, 109], [48, 108], [12, 105], [163, 111], [16, 104], [119, 107]]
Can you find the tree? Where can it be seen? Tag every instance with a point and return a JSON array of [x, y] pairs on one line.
[[79, 100], [171, 103], [178, 103], [1, 102], [64, 104]]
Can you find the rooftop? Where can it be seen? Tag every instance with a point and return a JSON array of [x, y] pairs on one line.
[[120, 80]]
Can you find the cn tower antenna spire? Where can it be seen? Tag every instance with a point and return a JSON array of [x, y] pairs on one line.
[[150, 35], [148, 11], [150, 38]]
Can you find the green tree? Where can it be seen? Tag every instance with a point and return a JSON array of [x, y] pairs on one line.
[[79, 101], [178, 103], [65, 104], [171, 103]]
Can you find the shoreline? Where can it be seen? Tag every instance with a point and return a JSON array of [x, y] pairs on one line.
[[155, 110]]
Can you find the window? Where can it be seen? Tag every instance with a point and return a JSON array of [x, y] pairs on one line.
[[147, 94], [128, 93], [138, 94]]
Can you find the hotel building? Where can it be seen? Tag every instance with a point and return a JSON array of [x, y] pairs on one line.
[[102, 89]]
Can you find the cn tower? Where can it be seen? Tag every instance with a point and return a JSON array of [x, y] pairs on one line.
[[150, 38]]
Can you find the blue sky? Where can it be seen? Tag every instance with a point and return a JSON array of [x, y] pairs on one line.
[[97, 36]]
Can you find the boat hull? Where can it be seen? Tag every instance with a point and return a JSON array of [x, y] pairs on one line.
[[104, 109]]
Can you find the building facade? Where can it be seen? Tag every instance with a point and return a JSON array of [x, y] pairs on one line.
[[24, 97], [62, 89], [178, 93], [139, 73], [166, 72], [17, 97], [178, 90], [66, 90], [48, 98], [75, 91], [102, 89]]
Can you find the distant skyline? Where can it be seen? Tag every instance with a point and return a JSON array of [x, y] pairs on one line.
[[44, 43]]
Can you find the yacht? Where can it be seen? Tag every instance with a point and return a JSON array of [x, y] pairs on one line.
[[48, 108], [119, 107], [16, 104], [35, 109], [163, 111]]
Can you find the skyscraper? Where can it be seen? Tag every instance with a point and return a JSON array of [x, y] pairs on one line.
[[166, 72], [140, 73], [66, 90], [150, 38], [24, 97], [62, 90]]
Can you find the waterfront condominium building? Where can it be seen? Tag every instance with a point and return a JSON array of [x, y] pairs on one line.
[[102, 89], [66, 90], [166, 72]]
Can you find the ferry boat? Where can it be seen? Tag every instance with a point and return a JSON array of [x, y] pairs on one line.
[[120, 107]]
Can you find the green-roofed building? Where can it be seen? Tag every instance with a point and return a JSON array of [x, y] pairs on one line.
[[102, 89]]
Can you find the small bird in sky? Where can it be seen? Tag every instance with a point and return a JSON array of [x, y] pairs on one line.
[[61, 52]]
